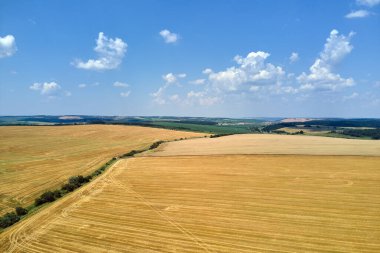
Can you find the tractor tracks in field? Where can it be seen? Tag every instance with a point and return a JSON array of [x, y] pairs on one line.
[[18, 236], [128, 187]]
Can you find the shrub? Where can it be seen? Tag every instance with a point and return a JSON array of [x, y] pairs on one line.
[[9, 219], [69, 187], [77, 180], [130, 153], [57, 194], [219, 135], [156, 144], [44, 198], [21, 211]]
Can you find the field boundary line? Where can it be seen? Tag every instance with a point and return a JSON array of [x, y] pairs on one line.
[[18, 236]]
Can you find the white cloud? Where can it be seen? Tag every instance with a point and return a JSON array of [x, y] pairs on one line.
[[369, 3], [168, 36], [208, 101], [207, 71], [254, 77], [169, 78], [321, 76], [125, 94], [67, 93], [46, 88], [174, 98], [293, 57], [193, 94], [172, 78], [251, 70], [82, 85], [358, 14], [202, 98], [110, 54], [252, 73], [352, 96], [198, 81], [336, 47], [120, 84], [7, 46], [35, 86], [254, 88], [158, 96]]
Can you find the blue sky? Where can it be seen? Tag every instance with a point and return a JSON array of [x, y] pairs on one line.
[[242, 58]]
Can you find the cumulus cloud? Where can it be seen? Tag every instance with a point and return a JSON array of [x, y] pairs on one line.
[[198, 81], [174, 98], [193, 94], [251, 70], [369, 3], [7, 46], [208, 101], [125, 94], [250, 74], [168, 36], [352, 96], [120, 84], [207, 71], [254, 77], [82, 85], [254, 88], [158, 96], [170, 78], [293, 57], [321, 76], [358, 14], [46, 88], [202, 98], [110, 54]]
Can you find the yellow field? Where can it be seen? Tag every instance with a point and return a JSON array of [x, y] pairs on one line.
[[231, 203], [35, 159], [271, 144], [305, 130]]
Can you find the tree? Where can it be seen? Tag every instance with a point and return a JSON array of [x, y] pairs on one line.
[[77, 180], [21, 211], [45, 197], [68, 187], [9, 219]]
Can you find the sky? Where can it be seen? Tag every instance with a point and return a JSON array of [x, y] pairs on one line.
[[225, 58]]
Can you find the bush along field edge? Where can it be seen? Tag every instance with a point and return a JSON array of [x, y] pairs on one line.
[[72, 184]]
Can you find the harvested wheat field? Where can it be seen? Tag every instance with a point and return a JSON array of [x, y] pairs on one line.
[[231, 203], [270, 144], [35, 159]]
